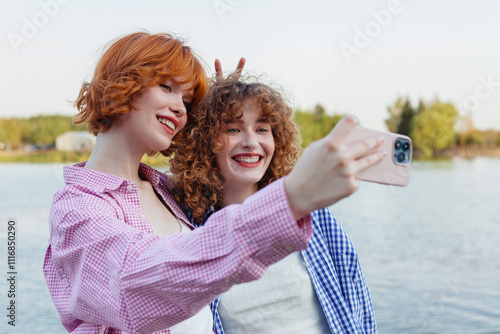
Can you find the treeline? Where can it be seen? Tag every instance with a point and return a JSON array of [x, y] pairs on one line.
[[315, 124], [433, 126], [436, 126], [40, 130]]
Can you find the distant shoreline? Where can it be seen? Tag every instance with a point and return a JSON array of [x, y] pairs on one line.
[[470, 151], [43, 156], [55, 156]]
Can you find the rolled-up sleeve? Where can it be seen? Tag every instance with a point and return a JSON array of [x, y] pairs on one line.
[[105, 271]]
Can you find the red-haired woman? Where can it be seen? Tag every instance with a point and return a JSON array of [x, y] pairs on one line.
[[122, 256], [241, 138]]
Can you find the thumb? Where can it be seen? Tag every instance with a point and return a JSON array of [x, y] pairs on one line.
[[341, 130]]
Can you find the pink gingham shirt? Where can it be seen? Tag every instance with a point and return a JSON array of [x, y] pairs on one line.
[[108, 272]]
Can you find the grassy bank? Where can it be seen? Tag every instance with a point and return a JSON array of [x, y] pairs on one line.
[[54, 156], [48, 156]]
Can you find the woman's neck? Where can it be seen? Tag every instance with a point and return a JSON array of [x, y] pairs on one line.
[[115, 154], [237, 194]]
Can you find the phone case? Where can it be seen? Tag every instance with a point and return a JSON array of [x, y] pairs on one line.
[[396, 167]]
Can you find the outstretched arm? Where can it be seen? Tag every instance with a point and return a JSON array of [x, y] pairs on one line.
[[103, 270]]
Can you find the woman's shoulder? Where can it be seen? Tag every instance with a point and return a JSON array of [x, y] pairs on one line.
[[324, 221], [79, 198], [323, 214], [87, 190]]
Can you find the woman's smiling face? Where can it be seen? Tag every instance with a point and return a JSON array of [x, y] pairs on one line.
[[161, 112], [248, 148]]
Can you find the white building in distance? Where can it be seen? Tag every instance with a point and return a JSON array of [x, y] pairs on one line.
[[78, 141]]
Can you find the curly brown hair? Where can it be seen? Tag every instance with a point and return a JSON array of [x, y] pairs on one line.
[[129, 64], [196, 180]]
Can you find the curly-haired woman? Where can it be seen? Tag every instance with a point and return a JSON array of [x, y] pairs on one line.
[[241, 138]]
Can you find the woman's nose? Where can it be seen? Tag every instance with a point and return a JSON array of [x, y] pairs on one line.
[[178, 107], [250, 140]]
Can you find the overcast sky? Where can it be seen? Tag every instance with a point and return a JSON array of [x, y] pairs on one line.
[[351, 56]]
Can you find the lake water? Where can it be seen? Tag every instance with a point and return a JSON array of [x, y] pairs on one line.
[[429, 250]]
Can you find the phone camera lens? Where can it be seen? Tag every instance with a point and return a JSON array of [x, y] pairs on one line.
[[402, 150]]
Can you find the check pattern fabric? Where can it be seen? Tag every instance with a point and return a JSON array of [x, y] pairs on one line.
[[335, 271], [107, 271]]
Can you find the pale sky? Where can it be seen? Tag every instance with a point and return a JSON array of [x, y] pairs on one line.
[[351, 56]]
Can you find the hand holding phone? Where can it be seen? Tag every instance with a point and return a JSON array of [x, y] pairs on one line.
[[327, 170], [394, 169]]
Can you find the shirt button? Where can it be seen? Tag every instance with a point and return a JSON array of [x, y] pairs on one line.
[[289, 248], [129, 187]]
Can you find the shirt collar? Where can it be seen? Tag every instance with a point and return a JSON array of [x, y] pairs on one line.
[[187, 212], [79, 175]]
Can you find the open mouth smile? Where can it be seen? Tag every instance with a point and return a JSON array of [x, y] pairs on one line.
[[168, 124], [248, 160]]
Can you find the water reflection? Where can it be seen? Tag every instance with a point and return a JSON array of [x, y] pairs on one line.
[[429, 250]]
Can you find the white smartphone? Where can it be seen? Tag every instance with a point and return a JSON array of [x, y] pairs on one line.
[[396, 166]]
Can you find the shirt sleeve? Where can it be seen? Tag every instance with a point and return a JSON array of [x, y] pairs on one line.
[[118, 276], [347, 265]]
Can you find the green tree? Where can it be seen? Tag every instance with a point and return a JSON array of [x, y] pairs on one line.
[[433, 129], [407, 114], [401, 116], [316, 124], [421, 106], [394, 119], [475, 137], [39, 130], [47, 128], [13, 133]]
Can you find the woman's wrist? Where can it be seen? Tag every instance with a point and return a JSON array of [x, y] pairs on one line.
[[297, 204]]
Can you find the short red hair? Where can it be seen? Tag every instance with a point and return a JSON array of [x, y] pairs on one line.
[[129, 64]]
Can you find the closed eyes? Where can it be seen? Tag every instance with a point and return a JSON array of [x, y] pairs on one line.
[[188, 105], [166, 87]]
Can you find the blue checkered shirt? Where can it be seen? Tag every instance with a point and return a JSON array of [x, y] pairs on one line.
[[335, 271]]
